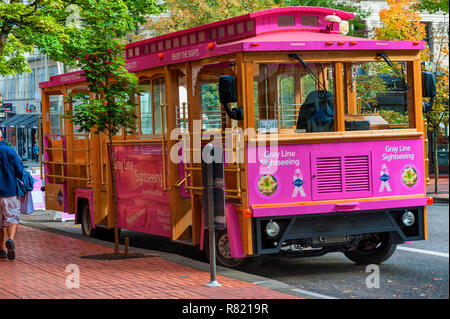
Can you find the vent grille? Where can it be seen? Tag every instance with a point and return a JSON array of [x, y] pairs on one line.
[[329, 174], [341, 176], [357, 177]]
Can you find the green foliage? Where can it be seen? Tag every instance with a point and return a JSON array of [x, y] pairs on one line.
[[210, 95], [184, 14], [112, 85], [393, 117], [48, 25], [433, 6], [357, 23], [369, 84]]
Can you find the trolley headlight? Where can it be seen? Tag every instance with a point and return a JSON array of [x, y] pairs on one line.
[[272, 229], [408, 218]]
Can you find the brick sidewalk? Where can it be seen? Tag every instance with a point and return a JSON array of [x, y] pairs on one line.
[[39, 271]]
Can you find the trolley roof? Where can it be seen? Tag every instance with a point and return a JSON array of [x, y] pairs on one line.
[[278, 29]]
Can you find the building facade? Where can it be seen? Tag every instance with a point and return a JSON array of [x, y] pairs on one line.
[[21, 104]]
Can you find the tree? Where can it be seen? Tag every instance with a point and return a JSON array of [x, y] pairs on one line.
[[97, 39], [44, 24], [357, 23], [105, 25], [23, 26], [401, 21], [438, 117], [181, 15], [432, 6]]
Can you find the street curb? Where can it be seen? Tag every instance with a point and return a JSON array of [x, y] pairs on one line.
[[184, 261], [440, 200]]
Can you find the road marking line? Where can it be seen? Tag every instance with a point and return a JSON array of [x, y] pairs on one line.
[[313, 294], [422, 251]]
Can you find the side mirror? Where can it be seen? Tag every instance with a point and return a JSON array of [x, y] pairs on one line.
[[228, 94], [428, 89]]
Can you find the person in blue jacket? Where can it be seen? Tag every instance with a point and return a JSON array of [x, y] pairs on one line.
[[11, 169]]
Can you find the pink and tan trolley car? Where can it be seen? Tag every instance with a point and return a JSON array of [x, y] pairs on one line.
[[351, 180]]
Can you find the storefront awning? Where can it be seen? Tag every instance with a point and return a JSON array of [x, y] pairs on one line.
[[30, 122], [21, 120]]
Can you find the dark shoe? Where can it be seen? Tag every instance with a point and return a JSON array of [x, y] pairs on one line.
[[10, 245], [3, 255]]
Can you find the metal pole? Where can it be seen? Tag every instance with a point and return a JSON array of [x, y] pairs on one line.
[[211, 229]]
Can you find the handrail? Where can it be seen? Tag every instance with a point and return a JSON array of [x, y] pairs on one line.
[[163, 132]]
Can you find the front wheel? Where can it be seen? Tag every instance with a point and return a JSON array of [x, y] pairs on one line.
[[373, 250], [223, 252]]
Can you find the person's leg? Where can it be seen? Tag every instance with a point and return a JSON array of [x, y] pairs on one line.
[[3, 254], [2, 229], [11, 230], [12, 223]]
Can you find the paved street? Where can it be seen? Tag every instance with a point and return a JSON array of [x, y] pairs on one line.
[[419, 270], [409, 273]]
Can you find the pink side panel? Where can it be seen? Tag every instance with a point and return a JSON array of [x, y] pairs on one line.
[[142, 203], [234, 232]]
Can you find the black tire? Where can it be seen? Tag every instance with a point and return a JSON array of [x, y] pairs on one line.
[[374, 250], [223, 253], [98, 232], [86, 224]]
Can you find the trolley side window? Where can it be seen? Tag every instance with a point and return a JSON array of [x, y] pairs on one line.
[[152, 100], [146, 124]]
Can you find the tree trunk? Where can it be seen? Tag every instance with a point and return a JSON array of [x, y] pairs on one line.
[[114, 202], [436, 164]]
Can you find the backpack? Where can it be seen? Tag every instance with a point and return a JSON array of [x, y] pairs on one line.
[[26, 184], [317, 113]]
